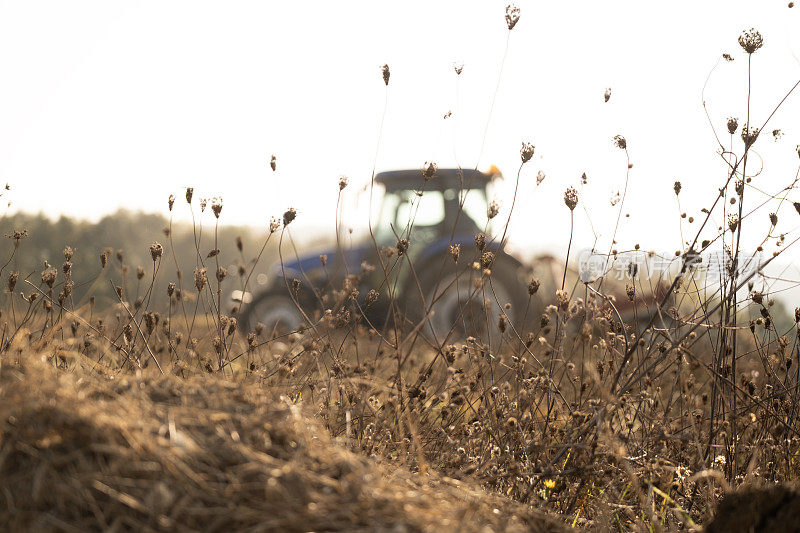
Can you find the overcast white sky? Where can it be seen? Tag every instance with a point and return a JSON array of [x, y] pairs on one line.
[[118, 104]]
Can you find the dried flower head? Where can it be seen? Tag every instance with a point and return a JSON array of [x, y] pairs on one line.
[[13, 276], [512, 16], [429, 170], [733, 221], [17, 236], [526, 152], [139, 272], [289, 216], [749, 135], [171, 201], [677, 188], [274, 224], [386, 74], [239, 243], [49, 277], [733, 124], [203, 204], [200, 278], [402, 247], [222, 272], [493, 209], [727, 57], [455, 252], [607, 94], [156, 250], [342, 182], [571, 198], [533, 286], [620, 142], [540, 176], [751, 40], [189, 194], [458, 67], [216, 206], [273, 163], [480, 241], [773, 218]]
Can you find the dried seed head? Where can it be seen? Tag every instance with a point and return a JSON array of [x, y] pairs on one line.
[[49, 277], [139, 272], [526, 152], [562, 299], [386, 74], [733, 221], [12, 280], [773, 218], [170, 288], [630, 290], [727, 57], [533, 286], [733, 124], [372, 297], [493, 209], [480, 241], [295, 285], [127, 332], [757, 298], [607, 94], [156, 250], [458, 67], [429, 170], [274, 224], [512, 16], [323, 259], [455, 252], [200, 278], [677, 188], [221, 273], [751, 40], [289, 216], [68, 252], [171, 201], [487, 258], [749, 135], [216, 206], [189, 194], [273, 163], [239, 243], [342, 182], [203, 203], [66, 268], [540, 177], [620, 142], [571, 198], [103, 258], [402, 247]]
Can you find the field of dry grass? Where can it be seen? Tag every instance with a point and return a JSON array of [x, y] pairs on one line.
[[582, 404]]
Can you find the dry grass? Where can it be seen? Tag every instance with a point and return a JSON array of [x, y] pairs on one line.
[[87, 451]]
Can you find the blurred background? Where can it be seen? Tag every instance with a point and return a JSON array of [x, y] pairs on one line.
[[116, 105]]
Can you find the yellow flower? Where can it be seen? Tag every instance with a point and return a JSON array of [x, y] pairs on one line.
[[549, 483]]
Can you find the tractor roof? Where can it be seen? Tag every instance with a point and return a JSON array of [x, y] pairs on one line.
[[445, 178]]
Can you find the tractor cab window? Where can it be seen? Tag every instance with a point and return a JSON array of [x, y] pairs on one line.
[[405, 209]]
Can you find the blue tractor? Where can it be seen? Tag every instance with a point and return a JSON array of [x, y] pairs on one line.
[[427, 264]]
